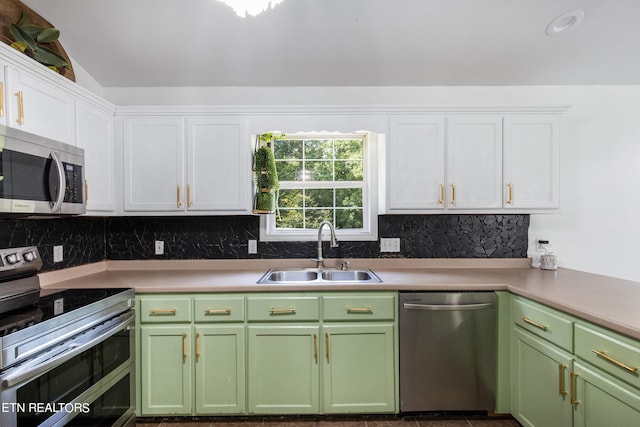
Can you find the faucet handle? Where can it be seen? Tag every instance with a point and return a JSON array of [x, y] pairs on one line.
[[344, 265]]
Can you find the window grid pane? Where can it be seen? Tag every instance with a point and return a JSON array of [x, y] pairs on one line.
[[320, 179]]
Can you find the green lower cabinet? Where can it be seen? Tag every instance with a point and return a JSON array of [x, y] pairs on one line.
[[219, 369], [165, 370], [358, 368], [540, 379], [283, 369], [603, 400]]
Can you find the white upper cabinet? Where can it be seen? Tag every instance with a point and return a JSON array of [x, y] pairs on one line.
[[416, 163], [218, 165], [153, 155], [179, 164], [94, 132], [34, 105], [531, 151], [474, 163]]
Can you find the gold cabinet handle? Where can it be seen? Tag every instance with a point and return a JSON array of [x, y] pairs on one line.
[[171, 311], [453, 194], [189, 202], [315, 348], [1, 99], [179, 201], [572, 389], [535, 324], [289, 310], [214, 311], [561, 389], [326, 346], [359, 310], [20, 119], [601, 354], [184, 346], [441, 200], [198, 345], [86, 192], [510, 189]]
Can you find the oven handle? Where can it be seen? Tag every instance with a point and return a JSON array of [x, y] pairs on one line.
[[72, 350], [446, 307], [62, 183]]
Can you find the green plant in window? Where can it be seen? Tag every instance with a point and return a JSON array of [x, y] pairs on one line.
[[266, 173]]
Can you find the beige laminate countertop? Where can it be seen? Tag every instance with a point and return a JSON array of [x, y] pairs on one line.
[[607, 301]]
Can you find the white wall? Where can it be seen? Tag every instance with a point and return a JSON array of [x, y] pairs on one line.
[[596, 229]]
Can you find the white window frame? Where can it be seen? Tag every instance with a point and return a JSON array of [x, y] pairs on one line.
[[369, 231]]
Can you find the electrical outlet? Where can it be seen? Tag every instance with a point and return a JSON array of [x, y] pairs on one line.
[[389, 244], [253, 247], [58, 253], [159, 247]]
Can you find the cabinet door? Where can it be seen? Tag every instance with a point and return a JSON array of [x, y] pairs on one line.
[[603, 400], [283, 369], [95, 128], [474, 163], [359, 368], [416, 163], [218, 165], [154, 164], [540, 382], [166, 369], [39, 107], [220, 369], [531, 152]]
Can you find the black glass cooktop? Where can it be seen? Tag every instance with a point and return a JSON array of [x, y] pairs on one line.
[[49, 305]]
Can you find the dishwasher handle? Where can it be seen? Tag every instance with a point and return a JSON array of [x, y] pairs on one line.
[[446, 307]]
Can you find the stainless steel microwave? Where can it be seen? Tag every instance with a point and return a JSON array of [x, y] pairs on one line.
[[39, 176]]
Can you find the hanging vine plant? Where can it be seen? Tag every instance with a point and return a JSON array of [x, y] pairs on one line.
[[266, 175]]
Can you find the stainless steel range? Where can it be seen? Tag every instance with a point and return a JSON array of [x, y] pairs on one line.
[[66, 356]]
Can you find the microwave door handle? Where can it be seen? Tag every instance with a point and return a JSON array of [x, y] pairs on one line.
[[62, 183]]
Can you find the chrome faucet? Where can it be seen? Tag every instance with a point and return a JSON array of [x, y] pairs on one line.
[[333, 243]]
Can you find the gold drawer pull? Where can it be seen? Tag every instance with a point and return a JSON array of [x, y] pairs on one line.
[[441, 199], [198, 345], [603, 355], [217, 311], [561, 389], [189, 202], [171, 311], [290, 310], [453, 194], [510, 199], [184, 346], [315, 347], [179, 199], [20, 119], [572, 389], [359, 310], [326, 346], [536, 324]]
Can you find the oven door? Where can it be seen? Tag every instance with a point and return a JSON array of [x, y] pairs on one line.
[[86, 381]]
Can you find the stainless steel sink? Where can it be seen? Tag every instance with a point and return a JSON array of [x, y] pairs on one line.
[[276, 276]]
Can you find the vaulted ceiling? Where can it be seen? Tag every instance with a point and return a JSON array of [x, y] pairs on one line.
[[128, 43]]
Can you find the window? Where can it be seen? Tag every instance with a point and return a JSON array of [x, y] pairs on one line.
[[324, 177]]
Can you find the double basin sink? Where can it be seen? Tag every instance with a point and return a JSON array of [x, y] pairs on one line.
[[279, 276]]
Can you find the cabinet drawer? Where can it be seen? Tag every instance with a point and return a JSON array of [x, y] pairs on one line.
[[282, 308], [611, 352], [358, 307], [165, 309], [544, 322], [224, 309]]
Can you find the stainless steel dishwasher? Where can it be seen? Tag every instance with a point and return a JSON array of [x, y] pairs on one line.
[[447, 351]]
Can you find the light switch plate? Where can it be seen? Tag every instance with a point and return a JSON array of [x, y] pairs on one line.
[[58, 253], [389, 244], [253, 247]]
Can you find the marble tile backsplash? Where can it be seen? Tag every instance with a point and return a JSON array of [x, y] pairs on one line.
[[90, 239]]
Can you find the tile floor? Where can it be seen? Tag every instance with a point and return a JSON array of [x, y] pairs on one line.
[[424, 420]]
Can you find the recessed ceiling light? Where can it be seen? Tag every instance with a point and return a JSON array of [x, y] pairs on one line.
[[565, 22]]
